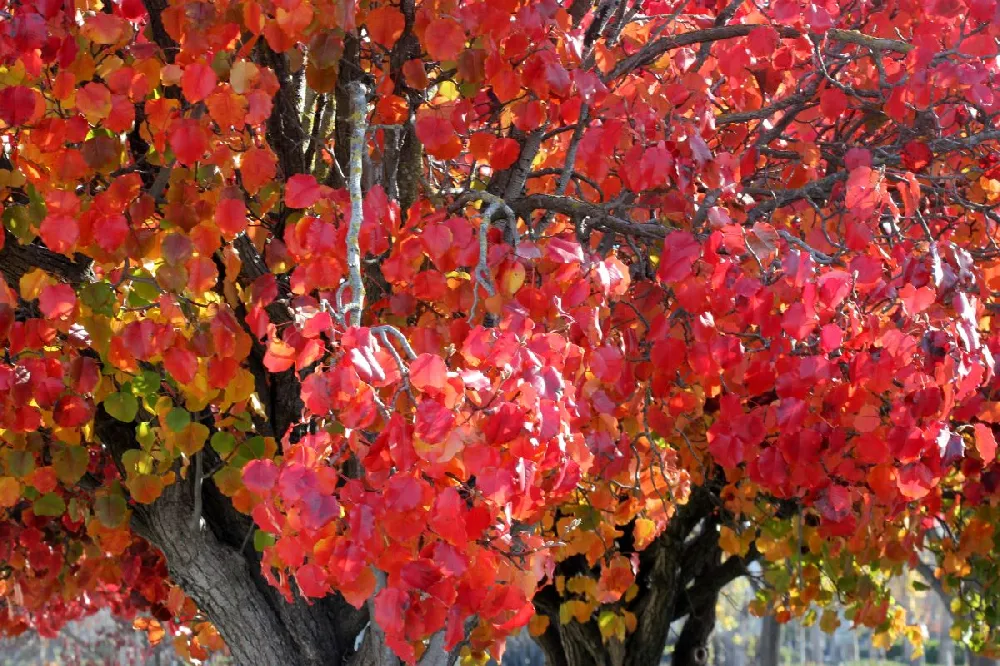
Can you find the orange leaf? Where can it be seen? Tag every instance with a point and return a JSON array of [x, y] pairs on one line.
[[643, 533], [986, 443], [444, 39], [385, 25], [280, 356]]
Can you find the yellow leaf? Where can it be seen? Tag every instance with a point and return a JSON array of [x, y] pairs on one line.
[[10, 491], [566, 612], [643, 533], [730, 542], [538, 624], [191, 439], [611, 625], [33, 282], [241, 76]]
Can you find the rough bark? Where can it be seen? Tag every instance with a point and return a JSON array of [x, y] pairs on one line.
[[217, 566]]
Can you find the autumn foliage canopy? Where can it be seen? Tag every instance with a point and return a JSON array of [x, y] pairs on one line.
[[456, 317]]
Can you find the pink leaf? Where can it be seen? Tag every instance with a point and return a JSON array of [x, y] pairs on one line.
[[302, 191], [259, 476]]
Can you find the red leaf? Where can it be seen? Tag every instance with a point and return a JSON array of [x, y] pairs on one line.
[[231, 218], [315, 393], [110, 232], [834, 287], [727, 450], [506, 423], [833, 103], [59, 233], [404, 493], [181, 363], [798, 322], [188, 140], [420, 574], [17, 105], [863, 191], [433, 421], [280, 355], [438, 136], [302, 191], [258, 167], [221, 371], [390, 610], [72, 411], [916, 155], [198, 82], [428, 371], [312, 581], [607, 364], [916, 300], [504, 153], [57, 301], [680, 250], [986, 443], [259, 476], [831, 337], [915, 481]]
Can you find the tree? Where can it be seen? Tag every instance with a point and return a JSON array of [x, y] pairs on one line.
[[381, 330]]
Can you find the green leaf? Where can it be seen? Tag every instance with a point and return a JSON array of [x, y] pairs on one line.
[[262, 540], [49, 504], [19, 463], [145, 435], [243, 422], [18, 220], [147, 384], [36, 204], [142, 293], [257, 445], [178, 419], [122, 406], [71, 463], [110, 509], [99, 297], [223, 443]]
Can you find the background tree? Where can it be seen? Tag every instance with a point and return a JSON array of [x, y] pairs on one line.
[[398, 326]]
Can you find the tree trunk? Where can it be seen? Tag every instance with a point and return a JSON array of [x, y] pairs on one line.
[[226, 582], [769, 649], [947, 650], [692, 645], [680, 577], [816, 634]]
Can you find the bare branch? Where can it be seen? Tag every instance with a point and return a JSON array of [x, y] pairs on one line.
[[359, 115], [653, 50], [873, 43]]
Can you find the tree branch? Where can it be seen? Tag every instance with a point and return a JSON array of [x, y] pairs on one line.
[[359, 116], [653, 50], [16, 260]]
